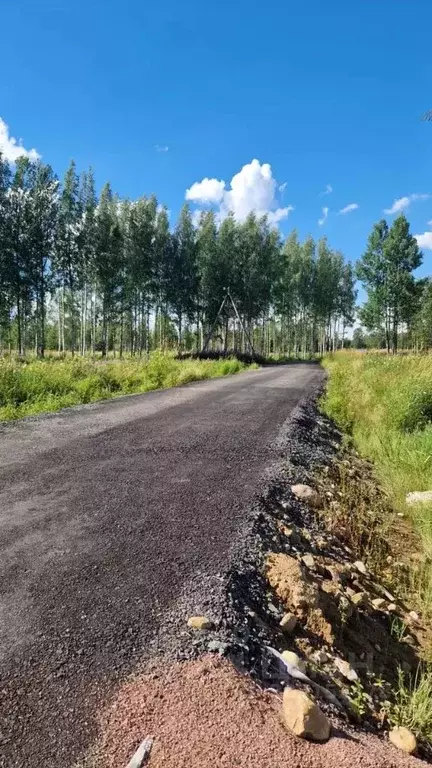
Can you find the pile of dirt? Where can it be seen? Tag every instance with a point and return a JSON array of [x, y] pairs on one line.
[[203, 714]]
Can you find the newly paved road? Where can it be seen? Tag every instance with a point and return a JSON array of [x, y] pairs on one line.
[[106, 512]]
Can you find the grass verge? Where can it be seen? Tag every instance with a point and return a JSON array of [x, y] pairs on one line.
[[385, 404], [41, 386]]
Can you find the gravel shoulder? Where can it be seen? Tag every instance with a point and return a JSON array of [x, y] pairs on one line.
[[111, 517]]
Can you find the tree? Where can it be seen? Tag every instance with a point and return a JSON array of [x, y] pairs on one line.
[[386, 269], [182, 289], [67, 251]]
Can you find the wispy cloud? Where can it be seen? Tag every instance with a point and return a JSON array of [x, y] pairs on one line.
[[282, 187], [402, 203], [252, 190], [11, 148], [322, 221], [328, 190], [161, 148], [349, 208]]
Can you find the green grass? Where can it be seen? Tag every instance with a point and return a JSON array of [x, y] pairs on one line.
[[41, 386], [385, 403], [413, 703]]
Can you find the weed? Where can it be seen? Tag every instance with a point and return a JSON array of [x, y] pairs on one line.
[[398, 629], [359, 698], [412, 706]]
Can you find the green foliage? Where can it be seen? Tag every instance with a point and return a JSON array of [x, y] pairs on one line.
[[386, 270], [384, 402], [413, 703], [88, 274], [42, 386]]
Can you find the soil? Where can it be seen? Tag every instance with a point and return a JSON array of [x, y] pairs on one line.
[[204, 714]]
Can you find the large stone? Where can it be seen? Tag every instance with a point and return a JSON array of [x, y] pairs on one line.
[[288, 623], [303, 717], [200, 622], [295, 660], [403, 739], [307, 494], [419, 497]]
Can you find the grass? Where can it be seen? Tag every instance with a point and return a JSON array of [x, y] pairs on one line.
[[41, 386], [413, 703], [385, 403]]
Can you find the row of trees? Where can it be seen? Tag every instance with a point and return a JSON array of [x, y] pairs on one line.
[[85, 273], [398, 309]]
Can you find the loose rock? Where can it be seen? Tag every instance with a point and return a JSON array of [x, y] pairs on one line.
[[392, 607], [378, 603], [307, 494], [200, 623], [292, 658], [419, 497], [288, 623], [303, 717], [309, 562], [359, 598], [403, 739], [360, 566], [345, 669]]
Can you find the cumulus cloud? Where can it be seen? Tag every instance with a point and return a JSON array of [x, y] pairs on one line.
[[349, 208], [328, 190], [206, 191], [402, 203], [425, 240], [252, 189], [12, 149], [323, 219], [161, 148]]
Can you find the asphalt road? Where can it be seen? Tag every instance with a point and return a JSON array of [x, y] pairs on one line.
[[106, 512]]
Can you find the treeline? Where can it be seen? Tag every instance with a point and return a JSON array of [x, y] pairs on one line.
[[86, 273], [398, 309]]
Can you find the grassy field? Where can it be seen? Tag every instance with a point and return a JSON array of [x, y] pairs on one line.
[[385, 403], [40, 386]]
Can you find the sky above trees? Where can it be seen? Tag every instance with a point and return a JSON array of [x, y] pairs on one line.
[[307, 111]]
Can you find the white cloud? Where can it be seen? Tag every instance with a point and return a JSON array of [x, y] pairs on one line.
[[252, 189], [161, 148], [328, 190], [282, 187], [322, 221], [402, 203], [12, 149], [425, 240], [206, 191], [430, 223], [349, 208]]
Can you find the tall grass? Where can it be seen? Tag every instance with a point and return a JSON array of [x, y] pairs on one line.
[[385, 403], [29, 388]]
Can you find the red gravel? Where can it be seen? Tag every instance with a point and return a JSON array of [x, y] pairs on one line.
[[204, 714]]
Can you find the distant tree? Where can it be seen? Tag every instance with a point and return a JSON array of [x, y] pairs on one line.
[[386, 269]]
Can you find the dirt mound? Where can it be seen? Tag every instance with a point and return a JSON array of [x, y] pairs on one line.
[[204, 714]]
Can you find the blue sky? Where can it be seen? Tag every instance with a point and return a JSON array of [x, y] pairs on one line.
[[327, 93]]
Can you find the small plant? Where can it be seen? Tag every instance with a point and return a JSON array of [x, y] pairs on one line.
[[412, 706], [398, 629], [359, 698]]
